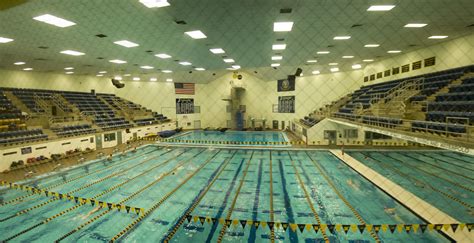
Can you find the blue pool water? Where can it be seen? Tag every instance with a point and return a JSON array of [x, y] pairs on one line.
[[232, 136], [302, 187]]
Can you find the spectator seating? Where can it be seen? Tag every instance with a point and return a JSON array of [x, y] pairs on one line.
[[22, 136], [74, 130]]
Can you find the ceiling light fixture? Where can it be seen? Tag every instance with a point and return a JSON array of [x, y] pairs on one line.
[[380, 7], [167, 71], [136, 79], [19, 63], [126, 43], [146, 67], [394, 51], [316, 72], [229, 60], [235, 66], [312, 61], [196, 34], [322, 52], [99, 75], [72, 53], [27, 69], [217, 50], [163, 55], [69, 68], [155, 3], [368, 60], [347, 57], [185, 63], [438, 37], [372, 45], [333, 64], [356, 66], [415, 25], [279, 47], [169, 80], [275, 64], [102, 72], [282, 26], [153, 79], [275, 58], [53, 20], [200, 69], [127, 75], [118, 78], [334, 69], [5, 40], [117, 61], [342, 37], [69, 72]]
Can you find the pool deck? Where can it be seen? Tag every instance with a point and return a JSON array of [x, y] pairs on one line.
[[422, 208]]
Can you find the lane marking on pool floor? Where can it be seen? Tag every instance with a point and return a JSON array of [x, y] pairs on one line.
[[132, 226], [188, 212], [229, 213], [81, 204], [339, 194], [79, 189], [272, 215], [77, 178], [310, 203]]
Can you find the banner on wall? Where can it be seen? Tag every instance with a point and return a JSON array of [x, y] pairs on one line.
[[184, 106], [285, 85], [286, 104]]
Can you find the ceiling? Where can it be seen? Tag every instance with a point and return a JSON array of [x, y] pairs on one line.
[[243, 28]]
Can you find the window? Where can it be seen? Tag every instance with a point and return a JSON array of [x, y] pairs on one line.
[[366, 78], [372, 77], [351, 133], [416, 65], [109, 137], [197, 109], [395, 70], [405, 68], [379, 75], [386, 73], [430, 61]]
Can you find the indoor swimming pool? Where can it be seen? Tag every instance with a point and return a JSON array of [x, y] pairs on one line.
[[233, 137], [213, 195]]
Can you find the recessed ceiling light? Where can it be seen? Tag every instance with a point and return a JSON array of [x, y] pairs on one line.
[[169, 80], [5, 40], [394, 51], [19, 63], [27, 69], [153, 79], [229, 60], [342, 37], [323, 52], [163, 55], [147, 67], [380, 7], [167, 71], [126, 43], [217, 50], [127, 75], [235, 66], [69, 68], [118, 61], [333, 64], [275, 64], [275, 58], [368, 60], [312, 61], [279, 47], [230, 68], [415, 25], [99, 75], [282, 26], [185, 63], [103, 72], [155, 3], [316, 72], [53, 20], [356, 66], [118, 78], [136, 79], [72, 53], [200, 69], [347, 57], [334, 69], [196, 34], [438, 37], [69, 72], [372, 45]]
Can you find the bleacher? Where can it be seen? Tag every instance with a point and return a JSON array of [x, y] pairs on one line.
[[73, 130], [22, 136], [457, 104]]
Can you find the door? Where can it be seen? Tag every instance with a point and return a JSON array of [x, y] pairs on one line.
[[275, 124], [331, 136], [98, 141], [282, 125], [197, 124], [119, 137]]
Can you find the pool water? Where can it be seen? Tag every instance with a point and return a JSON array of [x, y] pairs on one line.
[[232, 136], [302, 187]]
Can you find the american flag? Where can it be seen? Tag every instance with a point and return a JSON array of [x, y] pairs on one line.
[[184, 88]]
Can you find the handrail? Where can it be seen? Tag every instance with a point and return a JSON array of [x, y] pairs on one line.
[[393, 92]]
